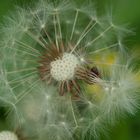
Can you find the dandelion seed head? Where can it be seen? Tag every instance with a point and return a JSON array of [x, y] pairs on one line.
[[64, 69], [70, 57]]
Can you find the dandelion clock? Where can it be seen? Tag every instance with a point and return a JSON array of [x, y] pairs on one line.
[[64, 72]]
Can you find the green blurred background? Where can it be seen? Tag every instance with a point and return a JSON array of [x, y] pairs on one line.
[[124, 12]]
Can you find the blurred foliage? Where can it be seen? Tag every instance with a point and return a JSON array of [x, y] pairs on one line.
[[123, 11]]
